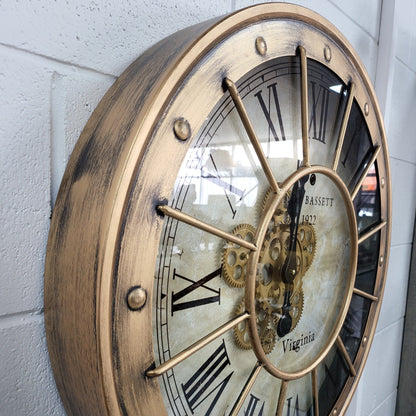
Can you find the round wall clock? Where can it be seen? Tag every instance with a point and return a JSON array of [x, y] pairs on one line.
[[219, 243]]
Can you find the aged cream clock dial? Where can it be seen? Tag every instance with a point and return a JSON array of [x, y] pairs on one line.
[[220, 240]]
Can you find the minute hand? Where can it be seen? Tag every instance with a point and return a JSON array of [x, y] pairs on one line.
[[294, 207]]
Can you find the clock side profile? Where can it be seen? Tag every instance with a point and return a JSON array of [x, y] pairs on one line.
[[220, 239]]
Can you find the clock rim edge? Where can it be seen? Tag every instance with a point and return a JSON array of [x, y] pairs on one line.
[[206, 29]]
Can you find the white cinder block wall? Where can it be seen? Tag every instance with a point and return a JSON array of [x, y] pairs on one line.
[[57, 59]]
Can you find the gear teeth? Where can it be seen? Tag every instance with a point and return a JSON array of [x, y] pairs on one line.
[[241, 330], [280, 216], [270, 288], [296, 301], [268, 340], [308, 244], [234, 258], [266, 198], [296, 306]]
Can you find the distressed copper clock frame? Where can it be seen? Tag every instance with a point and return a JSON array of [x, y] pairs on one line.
[[100, 262]]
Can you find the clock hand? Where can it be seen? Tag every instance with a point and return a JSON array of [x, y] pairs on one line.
[[294, 207], [285, 322], [289, 271]]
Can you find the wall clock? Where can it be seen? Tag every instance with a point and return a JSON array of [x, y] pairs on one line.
[[219, 243]]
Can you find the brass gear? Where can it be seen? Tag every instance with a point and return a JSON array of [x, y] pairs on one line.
[[280, 216], [268, 340], [306, 232], [267, 335], [235, 257], [241, 335], [296, 301], [270, 288], [307, 242]]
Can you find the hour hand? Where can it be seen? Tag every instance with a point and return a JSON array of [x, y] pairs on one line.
[[289, 269], [284, 324]]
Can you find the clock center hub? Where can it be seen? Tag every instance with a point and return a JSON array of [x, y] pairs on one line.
[[285, 276]]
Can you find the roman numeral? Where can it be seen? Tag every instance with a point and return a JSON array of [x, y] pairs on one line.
[[252, 409], [207, 382], [295, 408], [226, 186], [194, 285], [267, 110], [295, 411], [319, 112]]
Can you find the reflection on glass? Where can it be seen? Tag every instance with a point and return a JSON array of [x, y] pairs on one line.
[[367, 208], [334, 373], [355, 156], [357, 149], [354, 325]]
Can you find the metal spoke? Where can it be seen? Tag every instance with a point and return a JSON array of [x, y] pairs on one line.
[[282, 396], [365, 172], [238, 102], [365, 295], [249, 384], [194, 222], [343, 127], [372, 231], [304, 105], [315, 392], [346, 356], [178, 358]]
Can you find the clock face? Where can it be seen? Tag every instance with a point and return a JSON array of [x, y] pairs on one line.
[[233, 193], [303, 268]]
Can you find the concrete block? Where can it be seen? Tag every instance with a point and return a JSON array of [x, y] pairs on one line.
[[365, 14], [24, 179], [27, 387], [404, 201], [387, 407], [394, 301], [401, 132], [75, 94], [380, 376], [406, 32], [105, 36]]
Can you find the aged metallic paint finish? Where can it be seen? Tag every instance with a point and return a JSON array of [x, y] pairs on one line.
[[106, 227]]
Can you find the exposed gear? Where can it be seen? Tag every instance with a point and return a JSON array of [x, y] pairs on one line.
[[307, 242], [276, 246], [270, 291], [268, 340], [241, 335], [280, 216], [235, 257], [266, 333]]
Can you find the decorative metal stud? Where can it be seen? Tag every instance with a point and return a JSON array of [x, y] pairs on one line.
[[327, 53], [381, 261], [383, 182], [261, 46], [335, 412], [136, 298], [366, 109], [364, 340], [182, 129]]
